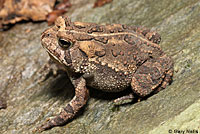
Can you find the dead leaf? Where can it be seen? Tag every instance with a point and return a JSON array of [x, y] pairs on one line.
[[60, 9], [100, 3], [12, 11]]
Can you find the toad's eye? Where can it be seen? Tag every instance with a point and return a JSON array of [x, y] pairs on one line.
[[64, 43]]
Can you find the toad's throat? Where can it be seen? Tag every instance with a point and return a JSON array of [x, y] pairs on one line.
[[53, 57]]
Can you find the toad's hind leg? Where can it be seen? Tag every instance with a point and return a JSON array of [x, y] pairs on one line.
[[79, 100], [152, 76]]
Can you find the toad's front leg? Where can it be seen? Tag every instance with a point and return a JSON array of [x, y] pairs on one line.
[[79, 100]]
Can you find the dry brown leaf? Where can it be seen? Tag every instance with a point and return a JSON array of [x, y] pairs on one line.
[[60, 9], [51, 17], [12, 11], [100, 3]]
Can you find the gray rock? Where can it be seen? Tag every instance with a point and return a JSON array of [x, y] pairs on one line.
[[177, 108]]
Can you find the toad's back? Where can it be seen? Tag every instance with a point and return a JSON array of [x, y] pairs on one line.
[[112, 52]]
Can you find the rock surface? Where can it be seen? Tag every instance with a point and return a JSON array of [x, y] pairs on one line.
[[175, 108]]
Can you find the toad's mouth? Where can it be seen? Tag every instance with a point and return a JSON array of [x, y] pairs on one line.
[[60, 57], [53, 57], [51, 53]]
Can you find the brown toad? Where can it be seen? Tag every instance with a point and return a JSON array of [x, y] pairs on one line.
[[107, 57]]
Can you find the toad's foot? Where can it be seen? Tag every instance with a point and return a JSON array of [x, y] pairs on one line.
[[124, 99], [79, 100]]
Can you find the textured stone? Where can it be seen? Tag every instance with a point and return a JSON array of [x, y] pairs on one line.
[[30, 103]]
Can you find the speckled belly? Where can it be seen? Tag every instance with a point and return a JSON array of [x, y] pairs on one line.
[[109, 82]]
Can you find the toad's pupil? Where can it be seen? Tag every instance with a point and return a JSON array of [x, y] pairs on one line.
[[64, 43]]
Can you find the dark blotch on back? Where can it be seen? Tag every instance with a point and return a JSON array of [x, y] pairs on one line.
[[95, 29], [101, 39], [130, 39]]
